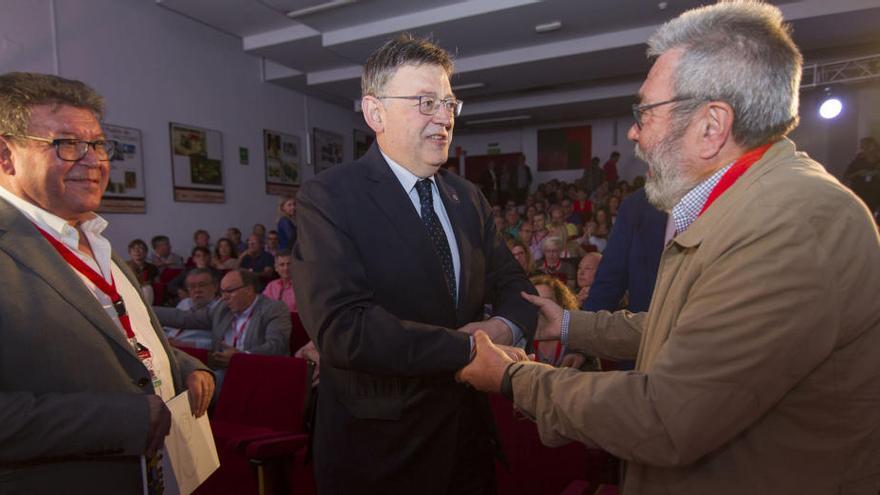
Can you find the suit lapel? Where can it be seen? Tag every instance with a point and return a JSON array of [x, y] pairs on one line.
[[386, 192], [22, 242], [455, 209]]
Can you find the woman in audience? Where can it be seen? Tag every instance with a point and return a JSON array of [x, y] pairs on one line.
[[286, 227], [581, 204], [586, 274], [521, 254], [553, 264], [225, 256], [539, 226], [603, 223], [552, 352], [146, 272], [613, 206]]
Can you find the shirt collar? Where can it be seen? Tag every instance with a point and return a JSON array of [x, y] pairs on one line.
[[250, 309], [52, 223], [691, 204], [406, 178]]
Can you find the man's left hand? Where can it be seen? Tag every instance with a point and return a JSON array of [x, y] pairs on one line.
[[201, 388], [496, 329], [486, 370]]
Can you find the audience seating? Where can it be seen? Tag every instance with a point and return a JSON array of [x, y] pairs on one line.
[[258, 428], [200, 354], [577, 487]]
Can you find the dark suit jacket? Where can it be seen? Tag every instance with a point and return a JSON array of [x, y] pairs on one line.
[[73, 418], [268, 329], [631, 257], [371, 294]]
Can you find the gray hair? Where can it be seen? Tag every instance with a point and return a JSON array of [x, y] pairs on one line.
[[21, 91], [405, 49], [739, 52], [551, 241]]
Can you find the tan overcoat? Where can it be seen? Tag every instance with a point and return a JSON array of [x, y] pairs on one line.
[[758, 365]]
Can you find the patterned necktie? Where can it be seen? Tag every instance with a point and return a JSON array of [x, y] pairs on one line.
[[438, 236]]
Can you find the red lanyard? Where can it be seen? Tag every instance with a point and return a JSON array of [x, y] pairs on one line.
[[239, 330], [108, 289], [735, 172]]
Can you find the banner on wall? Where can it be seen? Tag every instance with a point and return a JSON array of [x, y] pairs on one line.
[[125, 189], [197, 164], [283, 162], [567, 148]]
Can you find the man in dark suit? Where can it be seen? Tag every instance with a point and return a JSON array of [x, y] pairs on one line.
[[394, 262], [84, 365]]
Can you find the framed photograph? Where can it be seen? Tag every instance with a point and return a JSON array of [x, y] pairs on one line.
[[125, 190], [567, 148], [283, 159], [362, 142], [327, 148], [197, 164]]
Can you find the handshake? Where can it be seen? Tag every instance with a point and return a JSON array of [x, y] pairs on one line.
[[492, 342]]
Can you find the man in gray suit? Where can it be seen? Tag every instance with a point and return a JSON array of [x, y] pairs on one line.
[[244, 322], [85, 369]]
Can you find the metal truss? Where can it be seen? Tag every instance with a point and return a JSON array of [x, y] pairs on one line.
[[841, 71]]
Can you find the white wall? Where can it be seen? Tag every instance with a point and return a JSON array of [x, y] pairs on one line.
[[154, 67]]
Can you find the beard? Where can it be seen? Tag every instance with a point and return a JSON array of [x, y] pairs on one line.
[[666, 183]]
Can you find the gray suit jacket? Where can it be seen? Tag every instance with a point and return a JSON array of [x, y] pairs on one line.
[[73, 417], [268, 330]]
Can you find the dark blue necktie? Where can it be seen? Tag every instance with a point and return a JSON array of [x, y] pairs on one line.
[[438, 236]]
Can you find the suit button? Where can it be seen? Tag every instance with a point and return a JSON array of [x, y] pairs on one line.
[[143, 382]]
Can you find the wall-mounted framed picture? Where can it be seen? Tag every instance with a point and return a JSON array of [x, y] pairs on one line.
[[125, 191], [327, 148], [566, 148], [362, 142], [283, 154], [197, 164]]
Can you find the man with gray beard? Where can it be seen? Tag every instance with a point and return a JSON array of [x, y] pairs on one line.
[[758, 360]]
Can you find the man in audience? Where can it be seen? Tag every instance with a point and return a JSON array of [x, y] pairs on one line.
[[245, 322], [523, 175], [201, 285], [84, 372], [391, 301], [759, 356], [162, 256], [281, 289], [593, 176], [586, 275], [234, 235], [273, 245], [610, 169], [256, 259], [513, 221]]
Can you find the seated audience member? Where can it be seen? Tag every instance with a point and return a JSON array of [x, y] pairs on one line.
[[525, 236], [273, 245], [613, 207], [589, 241], [200, 258], [539, 225], [245, 322], [863, 173], [259, 230], [501, 227], [234, 235], [571, 217], [521, 254], [514, 222], [201, 238], [162, 256], [281, 289], [201, 285], [256, 259], [225, 255], [586, 274], [552, 263], [286, 226], [552, 352], [146, 272], [582, 206]]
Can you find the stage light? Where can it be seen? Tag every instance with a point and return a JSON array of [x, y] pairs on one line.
[[830, 107]]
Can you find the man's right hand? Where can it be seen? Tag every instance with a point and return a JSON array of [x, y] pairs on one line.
[[549, 317], [160, 424]]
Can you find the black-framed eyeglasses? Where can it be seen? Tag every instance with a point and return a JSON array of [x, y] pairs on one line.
[[72, 150], [229, 292], [638, 110], [428, 105]]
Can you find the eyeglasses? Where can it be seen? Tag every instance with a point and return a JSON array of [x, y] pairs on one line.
[[428, 105], [72, 150], [638, 110], [229, 292]]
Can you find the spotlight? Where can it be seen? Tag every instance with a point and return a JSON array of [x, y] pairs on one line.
[[831, 106]]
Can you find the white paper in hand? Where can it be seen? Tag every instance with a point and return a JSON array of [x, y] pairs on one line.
[[190, 454]]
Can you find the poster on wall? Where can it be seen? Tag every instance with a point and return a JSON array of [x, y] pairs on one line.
[[362, 142], [566, 148], [327, 147], [125, 189], [283, 159], [197, 164]]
